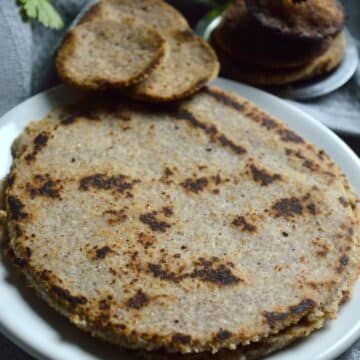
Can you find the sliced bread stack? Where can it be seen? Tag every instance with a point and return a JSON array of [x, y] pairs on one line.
[[146, 48]]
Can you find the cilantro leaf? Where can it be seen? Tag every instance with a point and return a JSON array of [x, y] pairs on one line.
[[43, 11]]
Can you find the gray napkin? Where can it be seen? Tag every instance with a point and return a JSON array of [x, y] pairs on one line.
[[27, 67]]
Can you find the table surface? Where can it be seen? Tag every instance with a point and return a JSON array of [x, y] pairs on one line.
[[193, 13]]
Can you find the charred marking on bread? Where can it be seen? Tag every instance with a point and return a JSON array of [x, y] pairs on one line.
[[16, 208], [158, 272], [22, 261], [72, 118], [268, 123], [181, 339], [146, 240], [208, 271], [311, 208], [39, 142], [272, 318], [345, 297], [262, 176], [167, 211], [10, 180], [49, 188], [119, 183], [104, 305], [243, 224], [223, 335], [139, 300], [288, 135], [195, 185], [343, 262], [345, 203], [103, 252], [238, 149], [151, 220], [224, 99], [288, 207], [65, 294], [214, 272], [115, 216]]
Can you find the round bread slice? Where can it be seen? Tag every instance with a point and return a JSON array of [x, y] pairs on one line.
[[156, 13], [263, 47], [261, 76], [189, 65], [192, 227], [190, 62], [304, 19], [107, 54]]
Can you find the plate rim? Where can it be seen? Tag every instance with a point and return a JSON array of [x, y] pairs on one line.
[[57, 91]]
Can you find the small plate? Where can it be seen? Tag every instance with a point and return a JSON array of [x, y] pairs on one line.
[[309, 89], [32, 325]]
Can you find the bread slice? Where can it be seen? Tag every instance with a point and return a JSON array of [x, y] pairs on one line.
[[266, 77], [264, 48], [107, 54], [171, 227], [309, 19], [156, 13], [190, 62]]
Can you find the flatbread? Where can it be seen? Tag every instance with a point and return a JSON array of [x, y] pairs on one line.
[[261, 76], [107, 54], [309, 19], [171, 227], [190, 62], [263, 47]]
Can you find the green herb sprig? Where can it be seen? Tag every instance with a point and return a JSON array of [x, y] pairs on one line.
[[42, 11]]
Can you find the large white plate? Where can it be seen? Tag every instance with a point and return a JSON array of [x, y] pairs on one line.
[[29, 323]]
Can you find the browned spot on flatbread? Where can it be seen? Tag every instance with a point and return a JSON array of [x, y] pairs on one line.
[[16, 209], [223, 335], [167, 211], [139, 300], [225, 141], [44, 186], [181, 339], [65, 294], [243, 224], [102, 252], [118, 184], [343, 262], [115, 216], [288, 135], [151, 220], [263, 176], [195, 185], [39, 142], [224, 99], [147, 240], [288, 207], [272, 318], [207, 271], [73, 117]]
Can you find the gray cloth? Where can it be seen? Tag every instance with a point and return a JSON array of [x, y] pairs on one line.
[[26, 67]]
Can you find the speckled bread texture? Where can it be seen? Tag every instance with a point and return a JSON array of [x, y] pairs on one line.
[[310, 19], [261, 76], [190, 62], [192, 227], [106, 54], [263, 47]]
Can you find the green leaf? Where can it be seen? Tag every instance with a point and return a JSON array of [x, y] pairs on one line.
[[43, 11]]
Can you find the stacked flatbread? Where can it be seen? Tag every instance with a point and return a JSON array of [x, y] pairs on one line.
[[144, 47], [201, 227], [272, 42]]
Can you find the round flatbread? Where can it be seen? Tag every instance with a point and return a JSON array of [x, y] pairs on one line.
[[266, 77], [190, 62], [156, 13], [305, 19], [107, 54], [171, 227], [263, 47]]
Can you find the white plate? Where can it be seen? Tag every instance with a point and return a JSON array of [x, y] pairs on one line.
[[29, 323]]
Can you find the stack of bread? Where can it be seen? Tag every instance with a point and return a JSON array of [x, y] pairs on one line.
[[145, 48], [278, 42]]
